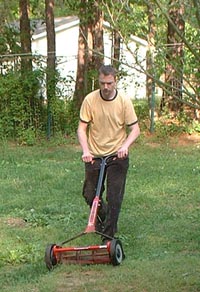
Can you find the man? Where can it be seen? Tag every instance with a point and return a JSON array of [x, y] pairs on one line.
[[104, 116]]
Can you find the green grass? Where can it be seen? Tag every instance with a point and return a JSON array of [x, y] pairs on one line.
[[41, 203]]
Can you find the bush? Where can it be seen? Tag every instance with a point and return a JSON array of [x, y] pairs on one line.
[[142, 109], [20, 106]]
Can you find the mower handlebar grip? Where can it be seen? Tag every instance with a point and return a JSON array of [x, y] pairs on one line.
[[105, 157]]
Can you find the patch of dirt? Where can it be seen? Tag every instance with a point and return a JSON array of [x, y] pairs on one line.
[[73, 283], [175, 141], [15, 222], [186, 139]]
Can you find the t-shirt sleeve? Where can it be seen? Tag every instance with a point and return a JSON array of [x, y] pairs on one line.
[[130, 115], [85, 112]]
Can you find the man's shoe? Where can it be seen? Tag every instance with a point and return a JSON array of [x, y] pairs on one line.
[[105, 241], [99, 225]]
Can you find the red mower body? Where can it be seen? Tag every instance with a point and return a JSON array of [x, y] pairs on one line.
[[111, 252], [94, 254]]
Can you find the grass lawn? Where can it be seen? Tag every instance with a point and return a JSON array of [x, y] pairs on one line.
[[41, 203]]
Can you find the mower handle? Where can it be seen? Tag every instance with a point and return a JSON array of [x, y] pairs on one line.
[[102, 170], [105, 158]]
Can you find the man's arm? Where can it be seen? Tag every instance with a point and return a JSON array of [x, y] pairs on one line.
[[134, 133], [82, 137]]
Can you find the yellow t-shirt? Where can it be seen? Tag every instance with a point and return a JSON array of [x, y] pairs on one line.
[[107, 121]]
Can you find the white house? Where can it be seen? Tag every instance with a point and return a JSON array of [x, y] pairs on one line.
[[67, 32]]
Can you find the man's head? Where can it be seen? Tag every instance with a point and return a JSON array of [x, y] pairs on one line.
[[107, 81], [107, 70]]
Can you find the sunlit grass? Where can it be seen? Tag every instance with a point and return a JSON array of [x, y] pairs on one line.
[[41, 203]]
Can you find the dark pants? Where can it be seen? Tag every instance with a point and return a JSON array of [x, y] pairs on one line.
[[114, 180]]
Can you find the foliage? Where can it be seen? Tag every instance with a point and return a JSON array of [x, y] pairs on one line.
[[124, 15], [65, 117], [9, 42], [72, 118], [131, 18], [24, 111], [26, 121], [16, 114], [141, 109], [165, 125]]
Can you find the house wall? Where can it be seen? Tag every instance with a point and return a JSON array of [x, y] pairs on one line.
[[134, 83]]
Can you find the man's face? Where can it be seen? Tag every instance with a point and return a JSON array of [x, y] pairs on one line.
[[107, 84]]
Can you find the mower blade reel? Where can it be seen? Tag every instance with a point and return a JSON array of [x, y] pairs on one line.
[[96, 254]]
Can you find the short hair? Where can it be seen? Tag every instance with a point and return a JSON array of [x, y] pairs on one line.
[[107, 70]]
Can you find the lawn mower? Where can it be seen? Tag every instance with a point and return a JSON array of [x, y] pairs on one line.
[[109, 253]]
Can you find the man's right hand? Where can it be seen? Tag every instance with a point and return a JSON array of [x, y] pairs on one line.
[[87, 157]]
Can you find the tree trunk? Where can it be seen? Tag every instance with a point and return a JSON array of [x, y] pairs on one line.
[[98, 45], [90, 49], [26, 58], [116, 47], [82, 64], [150, 84], [172, 96], [51, 63], [150, 51], [196, 4], [25, 36]]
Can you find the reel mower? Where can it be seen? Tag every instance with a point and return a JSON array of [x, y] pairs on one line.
[[109, 253]]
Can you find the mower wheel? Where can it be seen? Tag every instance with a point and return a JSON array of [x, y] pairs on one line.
[[50, 258], [116, 252]]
